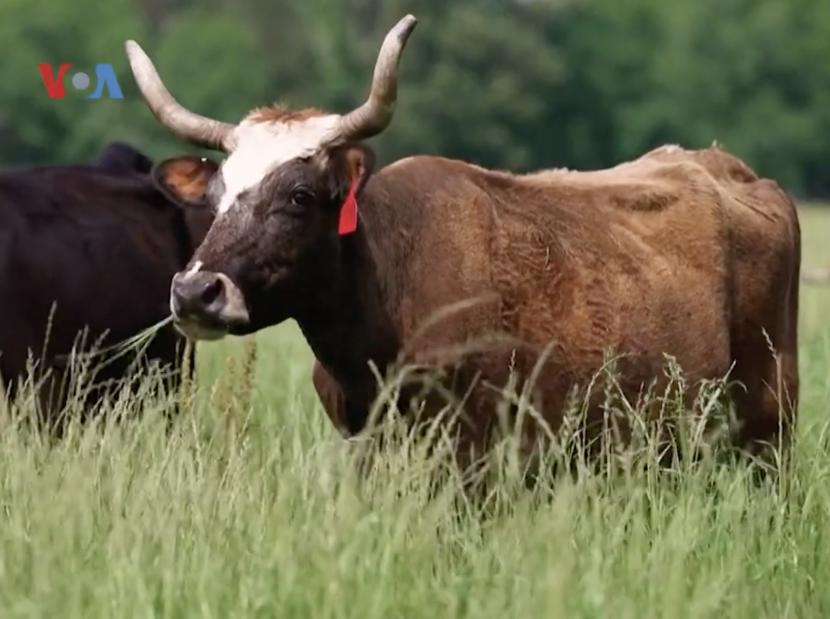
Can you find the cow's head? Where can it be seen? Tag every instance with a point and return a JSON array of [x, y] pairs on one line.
[[277, 197]]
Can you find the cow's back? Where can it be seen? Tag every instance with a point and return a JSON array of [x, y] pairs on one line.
[[597, 261], [652, 257]]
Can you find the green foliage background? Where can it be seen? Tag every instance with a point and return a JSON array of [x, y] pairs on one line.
[[517, 84]]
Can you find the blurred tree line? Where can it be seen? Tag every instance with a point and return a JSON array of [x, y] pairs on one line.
[[516, 84]]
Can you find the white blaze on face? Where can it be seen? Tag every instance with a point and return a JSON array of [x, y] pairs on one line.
[[263, 146]]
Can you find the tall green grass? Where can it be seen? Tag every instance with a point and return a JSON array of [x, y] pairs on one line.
[[248, 503]]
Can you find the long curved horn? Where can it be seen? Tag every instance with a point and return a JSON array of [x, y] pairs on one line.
[[185, 124], [376, 113]]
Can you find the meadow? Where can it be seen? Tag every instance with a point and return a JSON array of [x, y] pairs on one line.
[[251, 505]]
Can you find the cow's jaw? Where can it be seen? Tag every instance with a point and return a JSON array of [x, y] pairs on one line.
[[195, 331]]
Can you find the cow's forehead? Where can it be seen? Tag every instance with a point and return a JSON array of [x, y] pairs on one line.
[[263, 146]]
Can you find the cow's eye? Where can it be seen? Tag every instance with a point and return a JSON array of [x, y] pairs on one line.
[[301, 198]]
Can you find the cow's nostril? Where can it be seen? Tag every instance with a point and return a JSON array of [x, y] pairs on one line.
[[211, 292], [208, 298]]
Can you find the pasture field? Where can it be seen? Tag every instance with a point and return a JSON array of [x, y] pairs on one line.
[[250, 505]]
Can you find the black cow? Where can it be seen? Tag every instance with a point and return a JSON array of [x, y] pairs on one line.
[[88, 247]]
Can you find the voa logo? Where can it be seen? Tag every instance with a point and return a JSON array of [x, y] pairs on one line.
[[105, 80]]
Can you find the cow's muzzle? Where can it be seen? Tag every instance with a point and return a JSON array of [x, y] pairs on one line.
[[207, 305]]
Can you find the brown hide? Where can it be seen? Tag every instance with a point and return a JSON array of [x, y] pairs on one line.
[[686, 253]]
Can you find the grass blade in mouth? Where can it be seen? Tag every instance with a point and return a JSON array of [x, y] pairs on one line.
[[137, 343]]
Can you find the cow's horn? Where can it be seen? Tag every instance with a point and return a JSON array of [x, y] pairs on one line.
[[375, 114], [194, 128]]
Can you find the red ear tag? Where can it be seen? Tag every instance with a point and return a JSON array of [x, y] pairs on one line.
[[348, 212]]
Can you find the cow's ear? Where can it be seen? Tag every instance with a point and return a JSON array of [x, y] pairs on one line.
[[355, 163], [185, 179]]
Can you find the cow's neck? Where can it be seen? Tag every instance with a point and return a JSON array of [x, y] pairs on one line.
[[349, 325]]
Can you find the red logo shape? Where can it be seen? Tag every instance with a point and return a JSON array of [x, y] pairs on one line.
[[54, 85]]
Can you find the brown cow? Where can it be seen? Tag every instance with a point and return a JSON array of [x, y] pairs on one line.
[[680, 252]]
